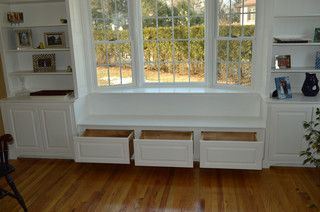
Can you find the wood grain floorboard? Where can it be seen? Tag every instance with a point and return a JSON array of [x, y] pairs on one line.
[[63, 185]]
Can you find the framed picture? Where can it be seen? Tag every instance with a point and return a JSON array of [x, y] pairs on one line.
[[283, 87], [54, 40], [316, 35], [23, 38], [44, 62], [15, 17], [282, 61]]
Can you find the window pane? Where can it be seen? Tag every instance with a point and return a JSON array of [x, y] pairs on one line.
[[181, 51], [101, 54], [197, 7], [197, 50], [165, 28], [246, 51], [197, 27], [126, 74], [151, 72], [236, 20], [102, 76], [222, 51], [233, 77], [246, 71], [197, 72], [181, 28], [148, 8], [182, 72], [112, 42], [178, 30], [222, 73], [165, 51], [164, 8], [114, 75], [166, 72], [150, 52]]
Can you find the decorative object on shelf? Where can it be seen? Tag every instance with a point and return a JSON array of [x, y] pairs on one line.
[[283, 87], [290, 40], [282, 62], [23, 91], [54, 40], [41, 46], [310, 86], [312, 137], [69, 69], [15, 17], [23, 38], [63, 20], [316, 35], [44, 63], [317, 65]]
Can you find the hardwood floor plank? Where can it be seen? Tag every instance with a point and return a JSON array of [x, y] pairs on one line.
[[63, 185]]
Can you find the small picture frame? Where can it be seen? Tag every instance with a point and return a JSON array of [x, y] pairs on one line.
[[316, 35], [23, 38], [54, 40], [44, 63], [282, 62], [283, 87], [15, 17]]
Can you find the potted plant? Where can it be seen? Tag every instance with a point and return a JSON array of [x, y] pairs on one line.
[[312, 136]]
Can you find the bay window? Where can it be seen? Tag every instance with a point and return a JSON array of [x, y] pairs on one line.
[[176, 42]]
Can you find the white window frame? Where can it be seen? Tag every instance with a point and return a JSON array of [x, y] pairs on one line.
[[210, 41]]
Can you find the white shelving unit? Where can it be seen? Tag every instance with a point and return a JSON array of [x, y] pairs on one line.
[[40, 16], [299, 21]]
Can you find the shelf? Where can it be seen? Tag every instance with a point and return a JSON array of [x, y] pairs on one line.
[[40, 50], [31, 73], [34, 26], [296, 44], [296, 70], [296, 98]]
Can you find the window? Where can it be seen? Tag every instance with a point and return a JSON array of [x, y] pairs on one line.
[[234, 43], [112, 43], [172, 42], [173, 33]]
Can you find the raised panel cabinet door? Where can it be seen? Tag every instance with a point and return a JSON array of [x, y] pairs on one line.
[[287, 133], [24, 124], [56, 129]]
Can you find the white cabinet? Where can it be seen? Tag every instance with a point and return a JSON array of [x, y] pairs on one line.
[[40, 129], [286, 133], [24, 124]]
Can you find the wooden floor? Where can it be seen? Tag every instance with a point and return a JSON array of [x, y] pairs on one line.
[[62, 185]]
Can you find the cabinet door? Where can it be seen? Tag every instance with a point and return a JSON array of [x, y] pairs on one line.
[[287, 133], [24, 125], [56, 129]]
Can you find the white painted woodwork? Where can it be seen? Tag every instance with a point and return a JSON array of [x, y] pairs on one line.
[[231, 154], [39, 17], [286, 133], [40, 129], [103, 149], [24, 125], [163, 152], [56, 128]]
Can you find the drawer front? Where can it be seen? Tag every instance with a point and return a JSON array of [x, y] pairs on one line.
[[231, 154], [102, 150], [163, 153]]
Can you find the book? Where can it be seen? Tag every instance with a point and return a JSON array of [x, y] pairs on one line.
[[283, 87]]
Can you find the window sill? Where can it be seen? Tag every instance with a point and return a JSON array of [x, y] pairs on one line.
[[177, 90]]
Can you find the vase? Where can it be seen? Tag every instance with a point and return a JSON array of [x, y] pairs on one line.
[[310, 86]]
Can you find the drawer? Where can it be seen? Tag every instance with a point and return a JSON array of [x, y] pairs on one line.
[[164, 148], [233, 150], [104, 146]]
